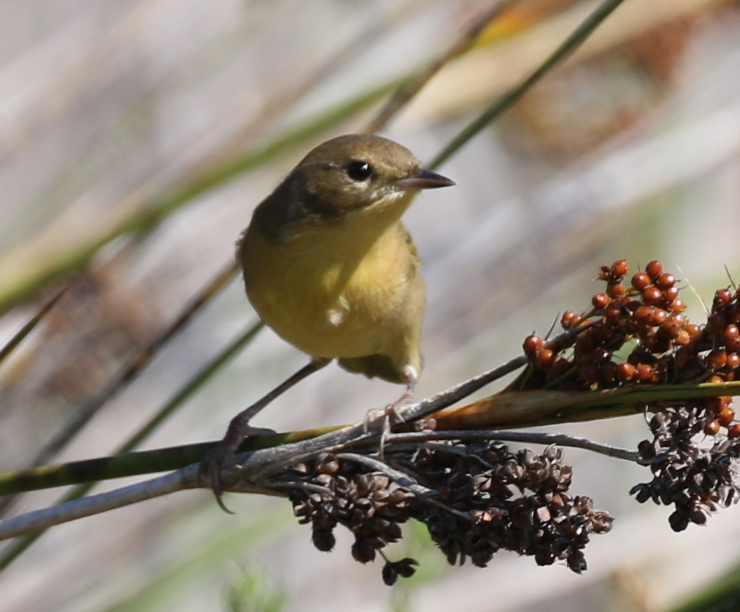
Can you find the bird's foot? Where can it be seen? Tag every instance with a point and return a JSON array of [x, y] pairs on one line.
[[390, 415], [223, 457]]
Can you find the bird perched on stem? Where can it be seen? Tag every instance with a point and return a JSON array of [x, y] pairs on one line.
[[329, 266]]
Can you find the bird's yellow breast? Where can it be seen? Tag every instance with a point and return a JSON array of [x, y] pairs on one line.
[[338, 291]]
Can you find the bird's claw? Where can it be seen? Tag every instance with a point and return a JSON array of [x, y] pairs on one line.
[[219, 458], [223, 456]]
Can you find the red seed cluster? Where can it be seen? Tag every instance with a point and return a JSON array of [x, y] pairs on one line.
[[638, 335]]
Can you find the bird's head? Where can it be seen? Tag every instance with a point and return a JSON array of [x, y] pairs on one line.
[[361, 171]]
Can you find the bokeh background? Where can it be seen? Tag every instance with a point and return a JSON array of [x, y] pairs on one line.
[[629, 150]]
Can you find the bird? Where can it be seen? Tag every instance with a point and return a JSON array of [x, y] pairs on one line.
[[331, 269]]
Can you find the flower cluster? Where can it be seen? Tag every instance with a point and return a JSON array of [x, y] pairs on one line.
[[475, 498]]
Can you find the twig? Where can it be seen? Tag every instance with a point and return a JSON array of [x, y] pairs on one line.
[[259, 465], [446, 398], [517, 436], [180, 480], [272, 448]]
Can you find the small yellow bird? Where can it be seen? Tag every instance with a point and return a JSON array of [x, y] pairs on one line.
[[329, 266]]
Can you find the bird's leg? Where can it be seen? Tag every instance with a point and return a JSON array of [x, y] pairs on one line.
[[223, 453], [390, 414]]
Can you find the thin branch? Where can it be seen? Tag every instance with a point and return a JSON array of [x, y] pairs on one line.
[[263, 464], [30, 325], [517, 436], [259, 465], [381, 466], [131, 371], [95, 504], [520, 410], [508, 99], [408, 90]]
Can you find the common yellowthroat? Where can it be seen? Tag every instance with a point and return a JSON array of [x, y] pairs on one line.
[[329, 266]]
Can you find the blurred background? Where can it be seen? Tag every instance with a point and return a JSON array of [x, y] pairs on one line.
[[108, 111]]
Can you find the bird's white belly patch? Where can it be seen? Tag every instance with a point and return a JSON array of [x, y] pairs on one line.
[[338, 314]]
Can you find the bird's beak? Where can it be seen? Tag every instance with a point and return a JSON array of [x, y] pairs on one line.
[[423, 179]]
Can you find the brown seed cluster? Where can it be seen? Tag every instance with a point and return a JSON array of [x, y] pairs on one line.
[[346, 493], [477, 498], [695, 480], [512, 501], [643, 321]]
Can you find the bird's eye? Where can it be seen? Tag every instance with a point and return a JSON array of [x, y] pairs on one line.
[[359, 171]]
